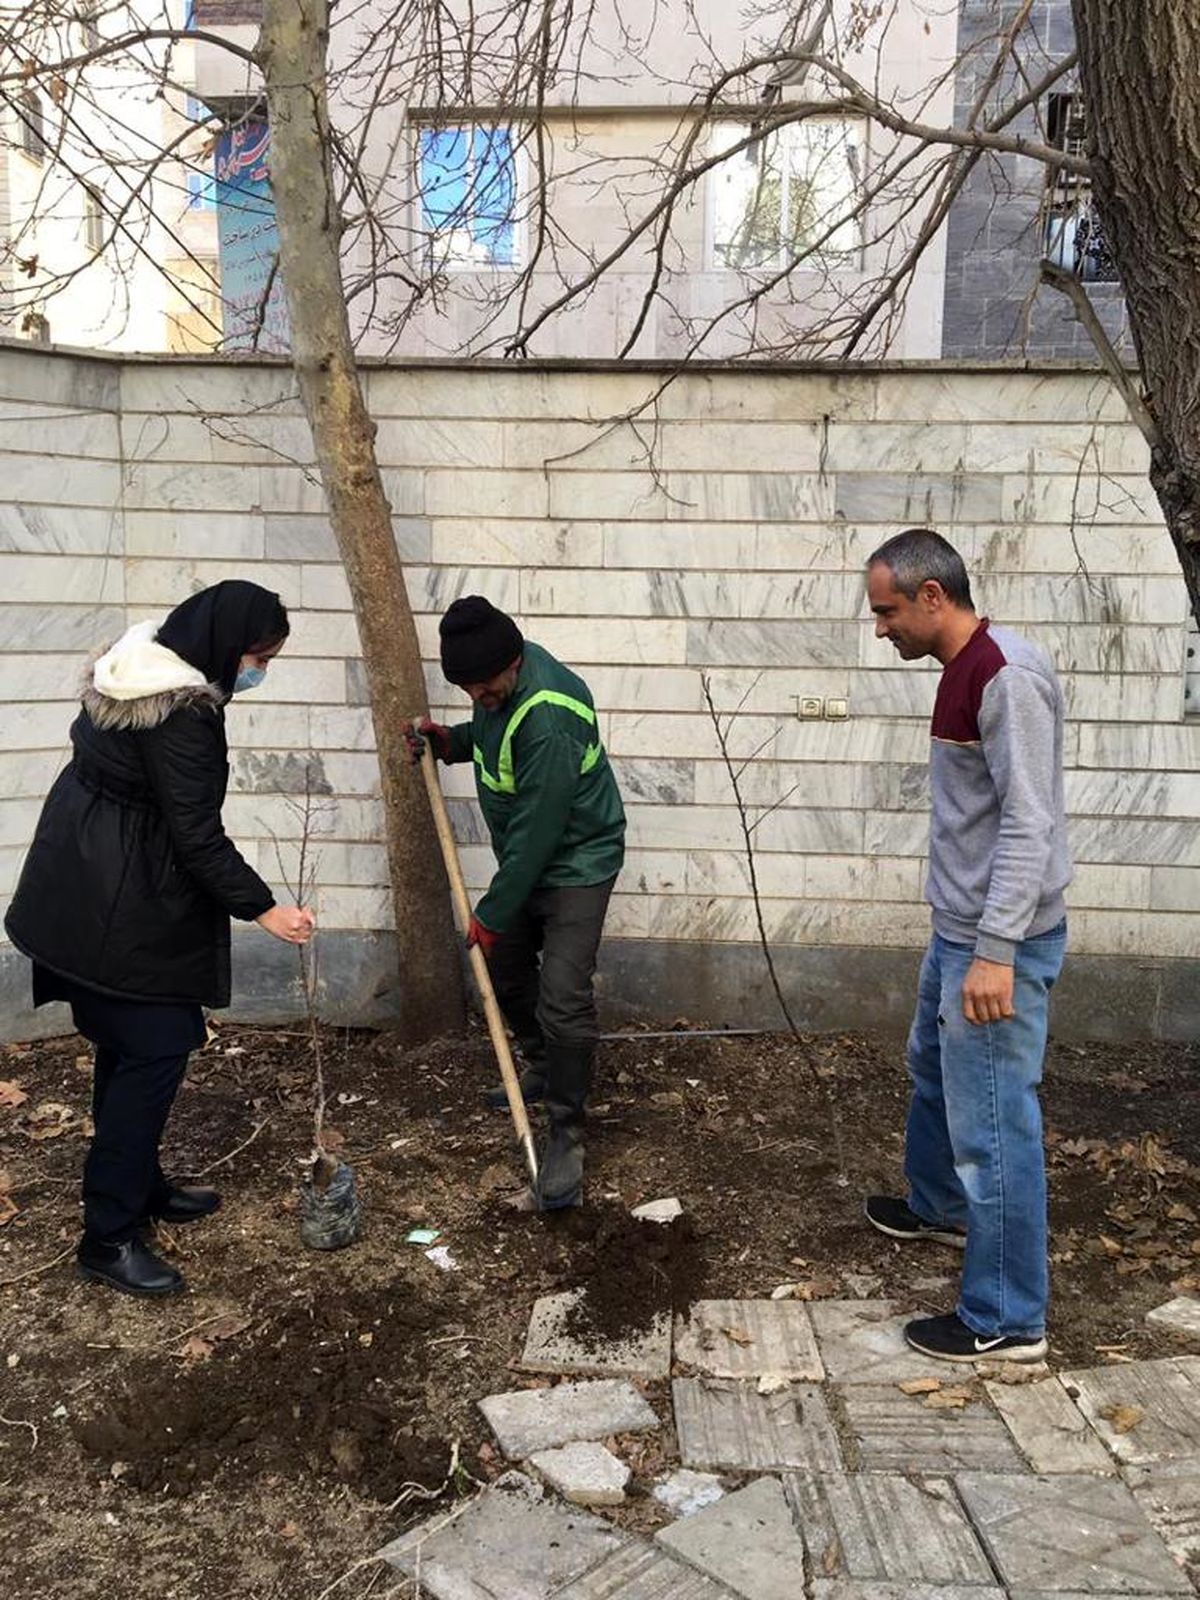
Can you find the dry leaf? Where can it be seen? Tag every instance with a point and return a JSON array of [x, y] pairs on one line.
[[1124, 1419], [946, 1400], [6, 1181], [831, 1558], [195, 1349], [919, 1385], [11, 1093], [8, 1210], [225, 1327], [737, 1335], [1111, 1247]]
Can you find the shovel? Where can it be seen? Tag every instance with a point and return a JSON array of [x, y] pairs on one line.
[[491, 1008]]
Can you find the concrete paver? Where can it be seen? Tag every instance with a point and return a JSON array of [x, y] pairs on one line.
[[1181, 1315], [862, 1341], [882, 1526], [685, 1492], [898, 1432], [876, 1589], [585, 1473], [550, 1348], [1049, 1428], [747, 1541], [527, 1420], [641, 1571], [1169, 1493], [747, 1338], [509, 1542], [1078, 1534], [1154, 1407], [723, 1423]]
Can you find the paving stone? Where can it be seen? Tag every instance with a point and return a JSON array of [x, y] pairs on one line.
[[747, 1338], [862, 1341], [873, 1589], [899, 1432], [550, 1348], [1169, 1493], [658, 1210], [1078, 1594], [1049, 1428], [527, 1420], [1167, 1393], [584, 1473], [509, 1542], [723, 1423], [686, 1492], [879, 1525], [1076, 1534], [640, 1571], [748, 1541], [1181, 1315]]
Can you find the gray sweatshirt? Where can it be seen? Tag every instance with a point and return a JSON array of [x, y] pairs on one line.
[[998, 856]]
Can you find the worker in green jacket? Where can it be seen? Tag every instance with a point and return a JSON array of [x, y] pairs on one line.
[[557, 825]]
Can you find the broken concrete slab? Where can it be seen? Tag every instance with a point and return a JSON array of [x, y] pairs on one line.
[[1048, 1427], [549, 1347], [1143, 1410], [1181, 1315], [899, 1432], [528, 1420], [748, 1542], [1068, 1533], [1169, 1493], [585, 1473], [658, 1210], [641, 1571], [508, 1542], [862, 1341], [722, 1423], [884, 1527], [748, 1338], [686, 1492]]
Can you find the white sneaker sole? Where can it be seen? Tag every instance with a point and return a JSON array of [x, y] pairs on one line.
[[1024, 1352], [956, 1241]]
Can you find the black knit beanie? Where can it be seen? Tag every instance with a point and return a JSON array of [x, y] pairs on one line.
[[477, 640]]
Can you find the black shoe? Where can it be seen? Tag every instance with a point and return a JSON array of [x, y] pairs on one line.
[[533, 1088], [130, 1266], [560, 1159], [949, 1339], [183, 1205], [898, 1220]]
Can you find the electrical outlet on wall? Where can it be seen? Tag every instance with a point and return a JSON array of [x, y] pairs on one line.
[[809, 706]]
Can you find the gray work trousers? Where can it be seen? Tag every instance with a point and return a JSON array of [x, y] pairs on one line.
[[543, 965]]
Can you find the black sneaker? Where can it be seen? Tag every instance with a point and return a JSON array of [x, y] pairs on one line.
[[949, 1339], [898, 1220]]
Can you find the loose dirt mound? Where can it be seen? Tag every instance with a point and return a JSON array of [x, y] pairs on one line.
[[631, 1271]]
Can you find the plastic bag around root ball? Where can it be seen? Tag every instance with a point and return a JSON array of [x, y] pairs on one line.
[[330, 1217]]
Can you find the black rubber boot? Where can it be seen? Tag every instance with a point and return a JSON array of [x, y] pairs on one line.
[[533, 1087], [128, 1265], [560, 1160]]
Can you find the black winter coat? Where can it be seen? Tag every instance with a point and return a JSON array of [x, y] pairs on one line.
[[130, 882]]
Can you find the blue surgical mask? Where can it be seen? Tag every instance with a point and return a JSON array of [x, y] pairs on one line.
[[248, 678]]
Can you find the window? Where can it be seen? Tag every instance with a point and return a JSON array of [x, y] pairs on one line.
[[789, 194], [33, 125], [1072, 236], [468, 185], [93, 220], [201, 191]]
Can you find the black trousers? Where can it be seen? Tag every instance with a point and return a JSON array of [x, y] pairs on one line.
[[141, 1053], [543, 965]]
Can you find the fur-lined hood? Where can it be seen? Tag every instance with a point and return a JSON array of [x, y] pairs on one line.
[[138, 683]]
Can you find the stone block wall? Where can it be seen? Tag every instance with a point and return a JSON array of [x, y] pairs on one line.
[[720, 533]]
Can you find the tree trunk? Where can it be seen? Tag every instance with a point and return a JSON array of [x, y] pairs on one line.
[[292, 51], [1139, 64]]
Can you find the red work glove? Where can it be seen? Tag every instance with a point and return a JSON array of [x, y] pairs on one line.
[[438, 736], [486, 938]]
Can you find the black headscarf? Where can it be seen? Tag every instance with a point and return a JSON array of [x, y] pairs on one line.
[[214, 629]]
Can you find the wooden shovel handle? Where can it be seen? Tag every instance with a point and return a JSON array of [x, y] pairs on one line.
[[491, 1007]]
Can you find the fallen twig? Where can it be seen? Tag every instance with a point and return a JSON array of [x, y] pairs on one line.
[[19, 1422], [7, 1283], [237, 1150]]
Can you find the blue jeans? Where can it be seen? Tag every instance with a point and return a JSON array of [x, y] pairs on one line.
[[974, 1156]]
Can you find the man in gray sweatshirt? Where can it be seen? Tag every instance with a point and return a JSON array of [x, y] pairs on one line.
[[998, 865]]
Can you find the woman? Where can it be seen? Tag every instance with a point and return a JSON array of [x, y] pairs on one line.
[[126, 895]]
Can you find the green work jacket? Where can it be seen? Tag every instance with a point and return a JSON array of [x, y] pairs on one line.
[[545, 787]]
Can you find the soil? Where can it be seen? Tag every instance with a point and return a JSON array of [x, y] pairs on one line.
[[295, 1410]]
